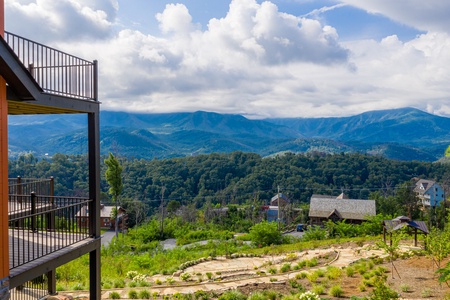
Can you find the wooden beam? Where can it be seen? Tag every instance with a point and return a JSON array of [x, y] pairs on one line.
[[4, 244]]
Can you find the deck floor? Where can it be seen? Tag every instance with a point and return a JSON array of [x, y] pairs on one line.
[[26, 245]]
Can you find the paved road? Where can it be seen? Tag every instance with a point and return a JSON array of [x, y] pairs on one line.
[[296, 234], [107, 237]]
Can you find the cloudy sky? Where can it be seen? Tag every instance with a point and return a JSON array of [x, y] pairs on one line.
[[279, 58]]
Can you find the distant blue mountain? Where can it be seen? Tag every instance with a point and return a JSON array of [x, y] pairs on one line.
[[406, 134]]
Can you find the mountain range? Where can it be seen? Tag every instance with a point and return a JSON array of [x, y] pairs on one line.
[[403, 134]]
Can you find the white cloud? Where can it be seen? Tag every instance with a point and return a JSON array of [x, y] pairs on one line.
[[175, 19], [46, 20], [255, 61], [430, 15]]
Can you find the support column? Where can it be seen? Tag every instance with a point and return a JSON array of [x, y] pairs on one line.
[[4, 245], [94, 206]]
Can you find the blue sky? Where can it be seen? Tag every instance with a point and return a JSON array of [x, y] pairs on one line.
[[280, 58]]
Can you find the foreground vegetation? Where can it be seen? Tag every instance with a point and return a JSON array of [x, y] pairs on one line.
[[129, 261], [213, 197]]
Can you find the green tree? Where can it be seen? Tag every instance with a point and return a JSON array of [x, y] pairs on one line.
[[407, 197], [265, 234], [113, 176], [447, 152], [438, 246]]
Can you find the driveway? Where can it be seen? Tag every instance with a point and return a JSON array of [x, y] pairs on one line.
[[107, 237]]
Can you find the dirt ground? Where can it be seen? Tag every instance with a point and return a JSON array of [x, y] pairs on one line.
[[412, 278]]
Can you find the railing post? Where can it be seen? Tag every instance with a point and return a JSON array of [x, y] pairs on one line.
[[52, 186], [31, 69], [19, 189], [51, 215], [95, 80], [33, 211], [51, 281]]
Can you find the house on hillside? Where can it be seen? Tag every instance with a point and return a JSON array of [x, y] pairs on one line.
[[323, 208], [106, 220], [279, 199], [36, 227], [429, 192]]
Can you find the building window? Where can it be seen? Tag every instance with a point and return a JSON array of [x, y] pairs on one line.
[[106, 220]]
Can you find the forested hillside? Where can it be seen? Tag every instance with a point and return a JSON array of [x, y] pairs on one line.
[[402, 134], [237, 177]]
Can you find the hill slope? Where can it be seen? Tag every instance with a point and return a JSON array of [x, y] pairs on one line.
[[406, 134]]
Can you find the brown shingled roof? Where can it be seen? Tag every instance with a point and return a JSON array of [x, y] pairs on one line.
[[350, 209]]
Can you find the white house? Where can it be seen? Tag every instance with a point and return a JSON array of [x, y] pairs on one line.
[[429, 192]]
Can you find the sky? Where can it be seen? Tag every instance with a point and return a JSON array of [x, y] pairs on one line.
[[260, 59]]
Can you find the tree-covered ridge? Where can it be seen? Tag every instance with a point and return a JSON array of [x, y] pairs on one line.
[[237, 177]]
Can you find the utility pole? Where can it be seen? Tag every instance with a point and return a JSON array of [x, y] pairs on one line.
[[163, 189]]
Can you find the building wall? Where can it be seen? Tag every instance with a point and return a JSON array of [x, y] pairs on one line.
[[436, 194], [4, 245]]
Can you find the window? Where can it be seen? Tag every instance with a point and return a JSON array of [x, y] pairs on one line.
[[106, 220]]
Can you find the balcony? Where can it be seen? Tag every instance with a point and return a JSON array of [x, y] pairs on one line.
[[42, 227], [56, 72], [43, 230], [42, 79]]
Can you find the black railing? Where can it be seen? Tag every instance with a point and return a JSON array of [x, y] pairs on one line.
[[41, 225], [34, 289], [25, 186], [56, 72]]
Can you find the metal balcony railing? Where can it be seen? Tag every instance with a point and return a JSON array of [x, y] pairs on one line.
[[34, 289], [25, 186], [56, 72], [40, 225]]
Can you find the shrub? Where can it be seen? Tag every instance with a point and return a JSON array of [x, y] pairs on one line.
[[285, 268], [201, 295], [290, 257], [145, 294], [312, 262], [119, 283], [301, 264], [333, 273], [318, 289], [308, 296], [336, 291], [131, 274], [185, 276], [265, 234], [312, 277], [270, 294], [272, 270], [114, 295], [132, 294], [426, 293], [362, 287], [381, 291], [232, 295], [350, 271], [301, 275], [315, 233], [256, 296], [404, 288]]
